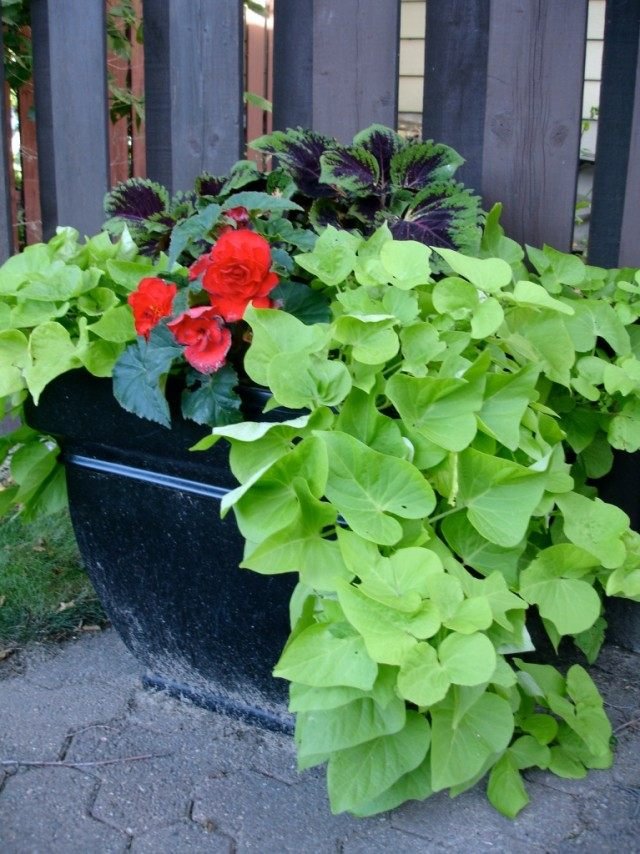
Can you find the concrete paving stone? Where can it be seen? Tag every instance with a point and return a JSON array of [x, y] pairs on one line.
[[239, 742], [45, 810], [626, 766], [215, 744], [266, 815], [274, 755], [382, 840], [442, 822], [621, 701], [617, 808], [140, 795], [615, 659], [158, 711], [601, 842], [595, 780], [182, 837], [223, 782], [550, 817], [36, 721], [616, 674], [96, 743], [93, 659]]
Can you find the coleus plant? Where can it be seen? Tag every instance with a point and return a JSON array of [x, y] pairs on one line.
[[381, 177]]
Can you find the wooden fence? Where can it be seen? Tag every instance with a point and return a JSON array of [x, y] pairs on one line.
[[503, 85]]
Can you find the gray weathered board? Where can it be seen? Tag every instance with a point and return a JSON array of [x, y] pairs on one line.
[[615, 217], [193, 93], [336, 65], [69, 63], [504, 87]]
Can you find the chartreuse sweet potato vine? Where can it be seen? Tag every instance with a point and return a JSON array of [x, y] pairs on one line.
[[63, 305], [431, 494], [435, 484]]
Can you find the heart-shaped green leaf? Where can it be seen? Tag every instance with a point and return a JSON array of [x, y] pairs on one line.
[[369, 489]]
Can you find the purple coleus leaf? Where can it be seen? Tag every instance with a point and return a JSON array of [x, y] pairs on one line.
[[351, 171], [366, 210], [323, 212], [444, 214], [136, 200], [298, 152], [209, 185], [156, 236], [422, 163], [383, 143]]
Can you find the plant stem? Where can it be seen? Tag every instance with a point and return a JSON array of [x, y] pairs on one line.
[[445, 514], [59, 764]]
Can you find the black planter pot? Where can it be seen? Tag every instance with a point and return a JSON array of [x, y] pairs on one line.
[[622, 488], [145, 511]]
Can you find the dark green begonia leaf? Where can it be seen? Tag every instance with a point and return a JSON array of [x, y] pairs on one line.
[[212, 399], [138, 372]]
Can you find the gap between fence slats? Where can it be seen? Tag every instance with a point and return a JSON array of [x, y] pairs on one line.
[[6, 229]]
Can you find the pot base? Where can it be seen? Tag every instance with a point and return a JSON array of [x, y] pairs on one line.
[[275, 721]]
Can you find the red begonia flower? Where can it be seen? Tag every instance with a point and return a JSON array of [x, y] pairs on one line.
[[199, 266], [242, 218], [205, 337], [239, 273], [150, 302]]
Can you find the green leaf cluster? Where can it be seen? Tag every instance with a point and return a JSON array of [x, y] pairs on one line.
[[186, 225], [62, 307], [433, 492]]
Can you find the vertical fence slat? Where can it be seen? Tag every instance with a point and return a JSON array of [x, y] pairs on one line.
[[356, 58], [293, 63], [69, 65], [456, 50], [532, 129], [269, 66], [13, 190], [193, 81], [6, 231], [630, 230], [617, 151], [336, 64]]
